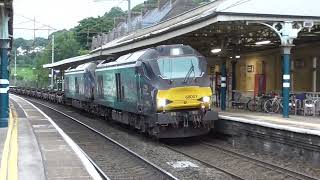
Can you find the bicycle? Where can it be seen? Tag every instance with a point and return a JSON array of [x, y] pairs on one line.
[[274, 105], [256, 104]]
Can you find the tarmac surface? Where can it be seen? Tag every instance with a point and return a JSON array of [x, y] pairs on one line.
[[296, 123], [41, 150]]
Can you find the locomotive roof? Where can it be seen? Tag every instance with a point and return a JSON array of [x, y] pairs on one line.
[[125, 59], [81, 67]]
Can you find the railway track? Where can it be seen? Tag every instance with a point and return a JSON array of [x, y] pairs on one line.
[[110, 158], [237, 165], [279, 169], [233, 175]]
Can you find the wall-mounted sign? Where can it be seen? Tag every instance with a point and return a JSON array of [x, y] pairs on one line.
[[250, 68], [212, 69]]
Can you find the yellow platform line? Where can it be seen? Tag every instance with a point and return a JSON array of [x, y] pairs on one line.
[[9, 161]]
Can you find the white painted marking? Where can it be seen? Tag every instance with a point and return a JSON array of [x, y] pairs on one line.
[[223, 78], [274, 126], [223, 85], [19, 105], [4, 90], [4, 81], [39, 125], [286, 76], [90, 168], [182, 164], [286, 85]]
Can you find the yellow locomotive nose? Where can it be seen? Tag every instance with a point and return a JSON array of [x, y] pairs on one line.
[[190, 97]]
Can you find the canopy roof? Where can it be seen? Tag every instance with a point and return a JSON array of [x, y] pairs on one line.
[[205, 19]]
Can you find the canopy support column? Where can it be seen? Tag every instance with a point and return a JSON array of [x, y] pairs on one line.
[[287, 32], [314, 83], [223, 95], [286, 80], [234, 78], [4, 73]]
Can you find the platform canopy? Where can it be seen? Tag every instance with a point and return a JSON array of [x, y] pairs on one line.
[[204, 27]]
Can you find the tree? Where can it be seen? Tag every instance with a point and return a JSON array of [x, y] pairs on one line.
[[91, 27], [114, 12], [66, 45]]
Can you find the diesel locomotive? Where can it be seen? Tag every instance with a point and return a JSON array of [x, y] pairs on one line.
[[164, 91]]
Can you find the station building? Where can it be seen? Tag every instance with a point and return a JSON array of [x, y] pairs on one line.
[[261, 71]]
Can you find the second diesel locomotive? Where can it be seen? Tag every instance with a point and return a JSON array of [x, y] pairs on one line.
[[163, 91]]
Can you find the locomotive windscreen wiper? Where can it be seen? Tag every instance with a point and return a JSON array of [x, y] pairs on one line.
[[189, 73]]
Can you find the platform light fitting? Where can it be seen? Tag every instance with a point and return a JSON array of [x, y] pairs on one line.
[[215, 51], [238, 57], [263, 42]]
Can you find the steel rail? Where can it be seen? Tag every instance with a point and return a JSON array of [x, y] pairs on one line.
[[205, 163], [294, 174], [169, 175]]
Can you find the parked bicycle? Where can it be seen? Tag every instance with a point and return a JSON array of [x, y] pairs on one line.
[[275, 105], [257, 103]]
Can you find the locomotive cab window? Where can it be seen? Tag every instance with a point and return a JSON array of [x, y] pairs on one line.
[[146, 70], [179, 67]]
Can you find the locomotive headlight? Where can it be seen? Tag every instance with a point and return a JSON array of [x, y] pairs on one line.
[[206, 99], [162, 102]]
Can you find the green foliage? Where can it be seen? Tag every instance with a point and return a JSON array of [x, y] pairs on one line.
[[153, 2], [198, 2], [138, 8], [83, 51], [29, 44], [90, 27], [114, 12], [29, 66], [66, 45]]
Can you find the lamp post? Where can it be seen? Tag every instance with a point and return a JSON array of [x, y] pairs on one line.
[[52, 60], [15, 67]]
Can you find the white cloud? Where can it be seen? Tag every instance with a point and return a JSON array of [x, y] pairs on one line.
[[60, 14]]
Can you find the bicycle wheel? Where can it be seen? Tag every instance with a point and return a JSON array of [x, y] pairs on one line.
[[270, 106], [252, 105]]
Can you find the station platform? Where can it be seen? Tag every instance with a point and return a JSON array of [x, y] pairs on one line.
[[34, 147], [298, 124]]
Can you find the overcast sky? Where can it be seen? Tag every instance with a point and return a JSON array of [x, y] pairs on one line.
[[60, 14]]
